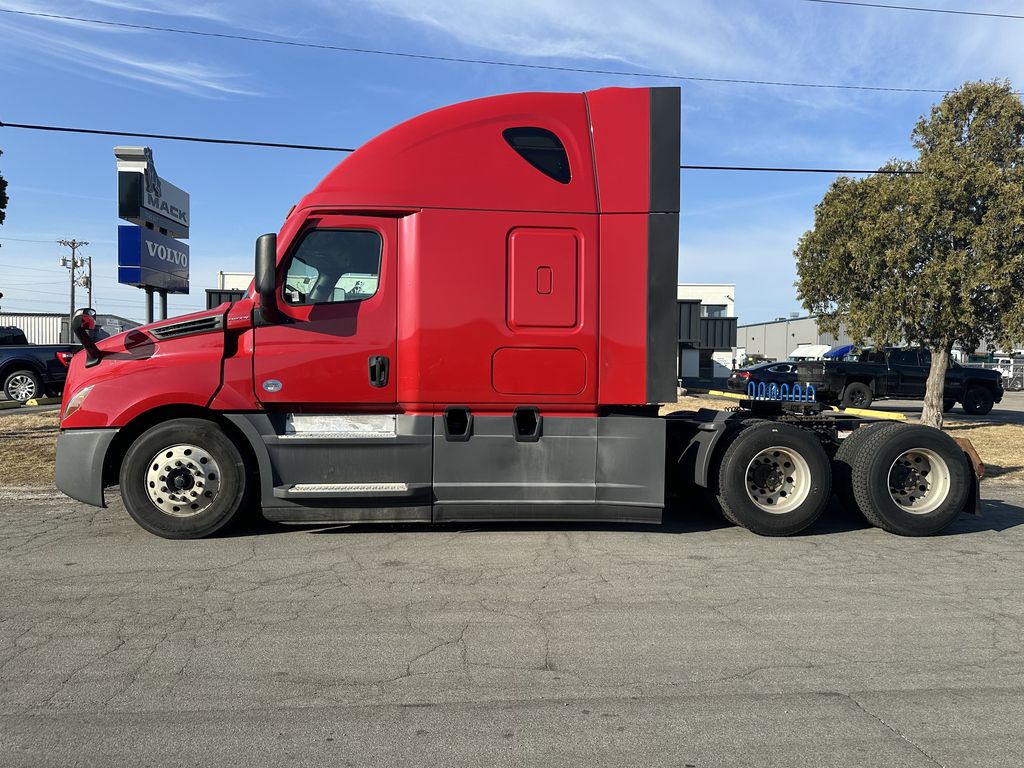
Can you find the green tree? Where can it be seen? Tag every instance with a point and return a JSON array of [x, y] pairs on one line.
[[934, 258]]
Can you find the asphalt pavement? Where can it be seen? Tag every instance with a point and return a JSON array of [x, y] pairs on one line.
[[691, 644], [1010, 410]]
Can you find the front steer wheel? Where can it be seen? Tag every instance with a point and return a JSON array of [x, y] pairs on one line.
[[774, 479], [908, 479], [184, 479]]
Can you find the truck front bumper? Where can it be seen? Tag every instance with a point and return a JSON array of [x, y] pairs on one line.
[[80, 457]]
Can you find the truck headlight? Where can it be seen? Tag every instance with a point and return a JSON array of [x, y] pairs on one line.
[[76, 400]]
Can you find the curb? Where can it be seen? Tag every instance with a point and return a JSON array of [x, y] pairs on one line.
[[9, 405], [42, 401]]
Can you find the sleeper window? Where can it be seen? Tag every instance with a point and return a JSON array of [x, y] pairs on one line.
[[334, 265], [541, 149]]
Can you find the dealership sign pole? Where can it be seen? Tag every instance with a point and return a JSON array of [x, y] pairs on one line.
[[150, 254]]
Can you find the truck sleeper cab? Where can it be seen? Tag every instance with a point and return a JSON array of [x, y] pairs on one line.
[[472, 317]]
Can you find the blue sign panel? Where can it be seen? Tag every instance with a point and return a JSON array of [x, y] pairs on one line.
[[147, 259]]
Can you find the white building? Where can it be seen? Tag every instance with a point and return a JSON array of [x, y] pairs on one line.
[[233, 281], [707, 332]]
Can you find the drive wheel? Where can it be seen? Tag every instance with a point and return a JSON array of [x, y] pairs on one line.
[[842, 464], [912, 480], [184, 479], [22, 386], [857, 395], [774, 479]]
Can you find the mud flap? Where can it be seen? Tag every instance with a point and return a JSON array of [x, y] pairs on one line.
[[973, 503]]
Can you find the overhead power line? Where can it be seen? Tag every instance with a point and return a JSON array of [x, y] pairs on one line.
[[918, 8], [459, 60], [170, 137], [321, 148], [889, 171]]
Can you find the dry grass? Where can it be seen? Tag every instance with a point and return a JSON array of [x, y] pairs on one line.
[[696, 402], [28, 443], [1000, 446], [28, 446]]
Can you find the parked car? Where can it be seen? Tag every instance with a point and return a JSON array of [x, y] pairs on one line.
[[899, 372], [769, 373], [32, 370]]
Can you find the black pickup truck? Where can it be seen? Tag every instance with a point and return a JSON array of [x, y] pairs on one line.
[[32, 370], [902, 373]]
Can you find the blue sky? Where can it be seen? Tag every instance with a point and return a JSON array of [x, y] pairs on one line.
[[736, 227]]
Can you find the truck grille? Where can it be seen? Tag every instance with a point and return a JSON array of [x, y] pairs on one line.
[[188, 327]]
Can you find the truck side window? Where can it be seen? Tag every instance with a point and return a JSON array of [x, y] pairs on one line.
[[334, 265], [541, 149], [903, 357]]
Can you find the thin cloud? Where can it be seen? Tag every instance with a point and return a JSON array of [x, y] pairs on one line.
[[209, 11], [73, 53], [665, 34]]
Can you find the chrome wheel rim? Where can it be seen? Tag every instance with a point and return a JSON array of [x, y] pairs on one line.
[[182, 480], [777, 480], [919, 481], [21, 388]]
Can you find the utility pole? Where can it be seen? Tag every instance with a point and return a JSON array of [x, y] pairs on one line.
[[72, 265]]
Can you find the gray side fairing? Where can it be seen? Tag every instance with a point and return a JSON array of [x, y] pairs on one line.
[[286, 460], [581, 468]]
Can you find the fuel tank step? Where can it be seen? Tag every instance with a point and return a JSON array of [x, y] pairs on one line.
[[298, 491]]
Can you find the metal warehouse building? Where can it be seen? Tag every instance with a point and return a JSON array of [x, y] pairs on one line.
[[777, 339], [52, 327]]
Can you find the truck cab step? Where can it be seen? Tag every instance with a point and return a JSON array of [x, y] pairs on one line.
[[350, 490]]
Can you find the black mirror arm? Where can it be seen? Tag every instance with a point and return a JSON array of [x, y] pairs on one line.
[[83, 322]]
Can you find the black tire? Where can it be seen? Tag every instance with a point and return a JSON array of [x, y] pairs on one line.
[[978, 401], [842, 464], [857, 395], [22, 385], [877, 481], [178, 442], [738, 471], [947, 405]]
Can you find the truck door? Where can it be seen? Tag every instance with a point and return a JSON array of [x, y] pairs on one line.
[[912, 376], [335, 343]]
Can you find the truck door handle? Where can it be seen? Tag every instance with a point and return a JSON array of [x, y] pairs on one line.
[[378, 365]]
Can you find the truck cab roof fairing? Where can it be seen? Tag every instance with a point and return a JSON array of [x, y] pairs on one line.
[[457, 157]]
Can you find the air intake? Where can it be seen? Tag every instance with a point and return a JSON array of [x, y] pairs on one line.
[[188, 327]]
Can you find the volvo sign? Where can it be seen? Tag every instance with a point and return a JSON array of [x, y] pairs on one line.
[[146, 199], [147, 259]]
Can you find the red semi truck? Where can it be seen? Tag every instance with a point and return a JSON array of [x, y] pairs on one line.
[[472, 317]]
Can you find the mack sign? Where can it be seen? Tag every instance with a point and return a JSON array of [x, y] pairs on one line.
[[147, 259], [143, 197]]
